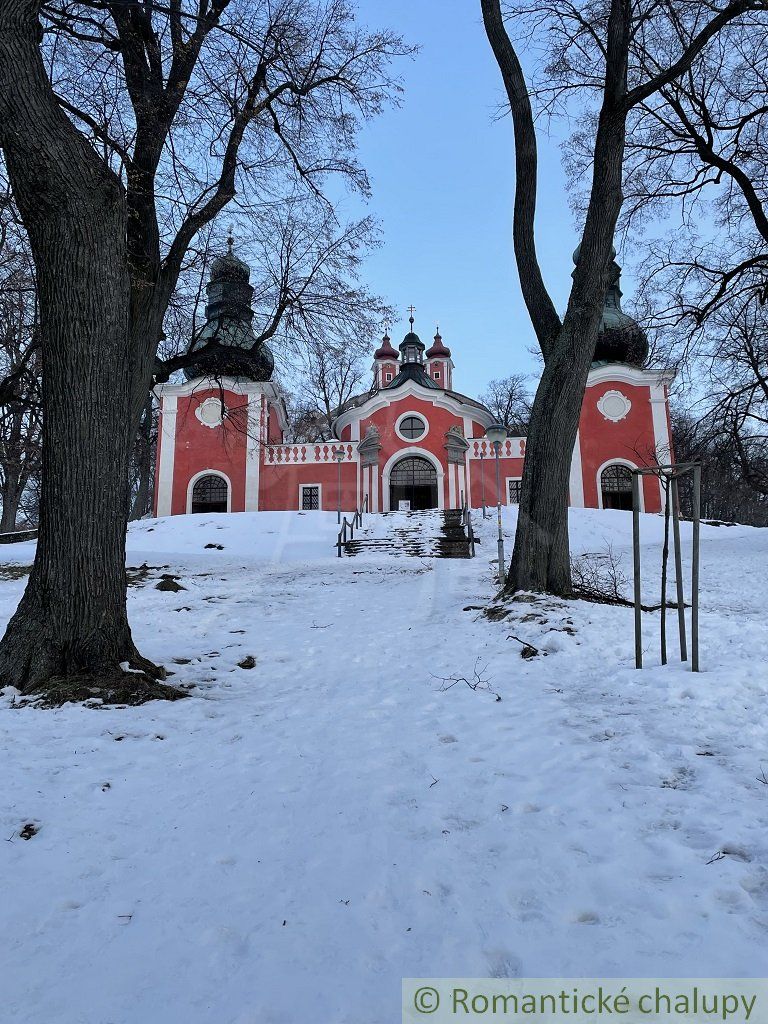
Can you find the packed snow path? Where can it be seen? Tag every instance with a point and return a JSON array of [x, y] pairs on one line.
[[287, 844]]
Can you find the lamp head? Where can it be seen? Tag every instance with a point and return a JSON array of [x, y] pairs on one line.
[[497, 433]]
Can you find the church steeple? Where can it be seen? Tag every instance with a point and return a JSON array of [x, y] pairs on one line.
[[226, 342], [620, 338]]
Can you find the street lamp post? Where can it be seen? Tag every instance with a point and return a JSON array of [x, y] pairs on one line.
[[482, 479], [338, 454], [496, 434]]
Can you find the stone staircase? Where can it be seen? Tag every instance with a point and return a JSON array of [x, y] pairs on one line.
[[429, 534]]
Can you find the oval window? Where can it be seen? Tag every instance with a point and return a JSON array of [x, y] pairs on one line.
[[412, 427]]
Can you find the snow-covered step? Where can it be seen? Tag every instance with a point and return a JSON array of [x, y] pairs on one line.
[[424, 534]]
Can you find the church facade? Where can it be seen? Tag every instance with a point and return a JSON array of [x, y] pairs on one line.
[[411, 441]]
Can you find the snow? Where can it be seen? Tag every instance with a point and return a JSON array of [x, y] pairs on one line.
[[294, 839]]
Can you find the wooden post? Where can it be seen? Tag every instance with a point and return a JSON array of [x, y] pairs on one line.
[[664, 564], [695, 569], [678, 568], [636, 560]]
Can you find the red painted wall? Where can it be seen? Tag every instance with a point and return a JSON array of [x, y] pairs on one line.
[[199, 447], [279, 485], [632, 438]]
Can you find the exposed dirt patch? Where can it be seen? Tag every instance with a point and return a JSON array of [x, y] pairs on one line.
[[139, 574], [14, 572], [169, 583], [98, 691]]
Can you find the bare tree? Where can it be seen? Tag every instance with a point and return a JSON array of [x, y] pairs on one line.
[[508, 400], [607, 58], [126, 129], [20, 415]]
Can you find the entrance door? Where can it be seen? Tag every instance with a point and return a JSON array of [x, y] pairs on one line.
[[616, 487], [413, 479], [210, 494]]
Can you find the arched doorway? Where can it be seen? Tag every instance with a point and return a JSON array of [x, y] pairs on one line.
[[210, 494], [413, 479], [616, 486]]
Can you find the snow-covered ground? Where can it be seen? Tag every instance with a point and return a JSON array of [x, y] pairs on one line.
[[290, 842]]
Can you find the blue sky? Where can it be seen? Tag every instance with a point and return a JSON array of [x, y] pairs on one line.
[[442, 172]]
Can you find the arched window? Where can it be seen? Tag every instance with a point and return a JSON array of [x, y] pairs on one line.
[[210, 494], [413, 480], [616, 486]]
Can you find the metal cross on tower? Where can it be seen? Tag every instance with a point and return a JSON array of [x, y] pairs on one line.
[[411, 310]]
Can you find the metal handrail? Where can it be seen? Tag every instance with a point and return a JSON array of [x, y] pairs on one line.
[[351, 525], [466, 518]]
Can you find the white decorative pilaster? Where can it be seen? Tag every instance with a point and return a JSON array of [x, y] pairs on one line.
[[168, 409], [253, 448]]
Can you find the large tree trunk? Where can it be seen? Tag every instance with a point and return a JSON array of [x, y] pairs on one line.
[[72, 618], [541, 557]]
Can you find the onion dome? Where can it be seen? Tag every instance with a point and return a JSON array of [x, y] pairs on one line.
[[226, 346], [438, 350], [386, 350], [620, 339]]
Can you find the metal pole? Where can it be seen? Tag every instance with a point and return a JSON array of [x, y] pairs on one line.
[[496, 447], [482, 479], [695, 569], [338, 502], [664, 564], [636, 560], [678, 568]]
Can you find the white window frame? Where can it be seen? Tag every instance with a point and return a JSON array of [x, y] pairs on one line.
[[388, 377], [511, 480], [419, 416], [208, 472], [616, 462], [319, 498]]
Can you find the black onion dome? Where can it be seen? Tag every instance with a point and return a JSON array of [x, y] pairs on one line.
[[227, 344], [620, 339]]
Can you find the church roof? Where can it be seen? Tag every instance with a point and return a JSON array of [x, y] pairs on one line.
[[227, 346], [414, 372], [412, 338], [386, 350], [438, 349], [620, 338]]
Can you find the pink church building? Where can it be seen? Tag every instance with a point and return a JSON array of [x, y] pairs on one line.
[[412, 440]]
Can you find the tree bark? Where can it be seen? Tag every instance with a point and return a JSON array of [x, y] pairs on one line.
[[72, 618]]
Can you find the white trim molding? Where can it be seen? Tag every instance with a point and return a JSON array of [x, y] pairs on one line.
[[576, 480], [405, 453], [438, 397], [168, 410], [208, 472], [621, 373]]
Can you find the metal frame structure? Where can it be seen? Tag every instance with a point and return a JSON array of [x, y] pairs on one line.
[[669, 476]]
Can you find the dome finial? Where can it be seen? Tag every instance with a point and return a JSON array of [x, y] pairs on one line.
[[411, 310], [231, 238]]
